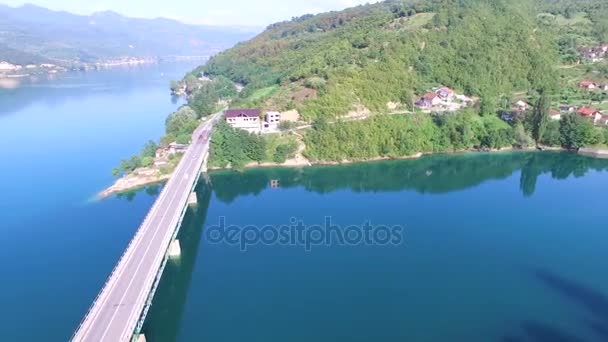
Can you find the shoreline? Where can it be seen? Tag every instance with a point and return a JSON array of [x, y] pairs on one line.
[[126, 184]]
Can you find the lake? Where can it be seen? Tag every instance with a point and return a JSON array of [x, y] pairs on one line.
[[493, 247]]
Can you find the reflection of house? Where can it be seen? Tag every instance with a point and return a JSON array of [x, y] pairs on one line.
[[272, 119], [248, 119]]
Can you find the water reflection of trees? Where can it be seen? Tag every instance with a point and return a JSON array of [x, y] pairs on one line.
[[432, 174]]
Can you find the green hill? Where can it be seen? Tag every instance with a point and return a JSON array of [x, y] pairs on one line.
[[390, 51]]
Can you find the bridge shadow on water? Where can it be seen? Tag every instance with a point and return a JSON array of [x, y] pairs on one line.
[[590, 300], [163, 320]]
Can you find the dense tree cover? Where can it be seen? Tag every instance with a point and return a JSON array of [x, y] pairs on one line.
[[180, 125], [402, 135], [378, 53], [205, 99], [577, 132], [235, 147]]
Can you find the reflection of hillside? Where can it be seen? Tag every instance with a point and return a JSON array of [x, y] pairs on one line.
[[77, 85], [162, 322], [432, 174]]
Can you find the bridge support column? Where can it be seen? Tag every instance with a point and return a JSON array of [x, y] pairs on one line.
[[175, 250], [192, 199], [140, 338]]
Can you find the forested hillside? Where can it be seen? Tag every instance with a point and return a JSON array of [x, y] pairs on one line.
[[390, 51]]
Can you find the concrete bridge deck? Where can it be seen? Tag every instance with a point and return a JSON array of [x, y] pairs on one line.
[[120, 307]]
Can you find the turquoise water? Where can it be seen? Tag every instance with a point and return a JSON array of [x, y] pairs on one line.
[[60, 139], [502, 247], [497, 247]]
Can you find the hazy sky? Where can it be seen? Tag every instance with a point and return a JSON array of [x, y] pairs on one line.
[[214, 12]]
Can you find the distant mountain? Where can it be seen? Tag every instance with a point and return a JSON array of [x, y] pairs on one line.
[[33, 34]]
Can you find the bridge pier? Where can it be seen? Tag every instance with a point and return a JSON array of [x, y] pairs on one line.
[[140, 338], [175, 250], [192, 201]]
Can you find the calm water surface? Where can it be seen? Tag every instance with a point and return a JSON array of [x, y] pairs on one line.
[[502, 247]]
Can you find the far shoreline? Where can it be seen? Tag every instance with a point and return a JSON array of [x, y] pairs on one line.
[[114, 190]]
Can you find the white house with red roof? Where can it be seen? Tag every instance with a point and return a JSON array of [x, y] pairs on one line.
[[247, 119], [428, 100], [591, 113], [555, 115]]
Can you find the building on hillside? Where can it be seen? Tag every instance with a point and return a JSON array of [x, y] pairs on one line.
[[175, 148], [272, 120], [602, 121], [587, 85], [247, 119], [428, 100], [522, 105], [565, 109], [591, 113], [445, 93], [555, 115]]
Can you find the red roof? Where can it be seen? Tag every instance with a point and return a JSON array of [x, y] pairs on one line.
[[587, 83], [587, 111], [234, 113], [429, 96], [554, 112]]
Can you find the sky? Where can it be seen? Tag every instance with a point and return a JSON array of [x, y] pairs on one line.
[[209, 12]]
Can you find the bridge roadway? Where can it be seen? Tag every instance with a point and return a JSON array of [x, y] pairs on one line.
[[117, 310]]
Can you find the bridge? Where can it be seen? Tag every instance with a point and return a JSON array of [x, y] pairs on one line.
[[118, 312]]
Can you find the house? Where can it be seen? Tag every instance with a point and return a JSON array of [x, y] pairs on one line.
[[588, 85], [591, 113], [602, 121], [603, 87], [555, 115], [272, 120], [521, 106], [428, 100], [175, 148], [565, 109], [445, 93], [247, 119], [6, 66]]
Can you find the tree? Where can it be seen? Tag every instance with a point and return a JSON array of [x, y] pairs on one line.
[[577, 132], [540, 117], [149, 150], [183, 121]]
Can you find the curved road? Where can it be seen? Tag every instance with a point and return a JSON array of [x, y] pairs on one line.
[[117, 309]]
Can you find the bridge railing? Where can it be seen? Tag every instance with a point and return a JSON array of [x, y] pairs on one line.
[[128, 251], [124, 255]]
